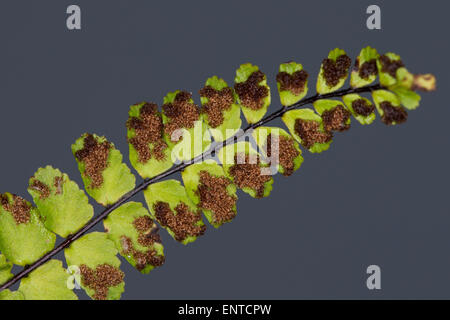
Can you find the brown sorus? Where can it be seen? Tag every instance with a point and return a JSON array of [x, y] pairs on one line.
[[393, 114], [101, 279], [148, 128], [309, 132], [146, 258], [142, 258], [142, 224], [218, 102], [362, 107], [147, 239], [58, 184], [4, 201], [40, 187], [182, 114], [367, 69], [148, 231], [390, 66], [334, 71], [214, 196], [284, 154], [246, 173], [183, 223], [250, 93], [20, 209], [336, 119], [147, 236], [94, 155], [294, 83]]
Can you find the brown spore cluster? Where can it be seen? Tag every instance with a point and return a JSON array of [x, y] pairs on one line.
[[182, 114], [218, 102], [336, 119], [94, 155], [148, 128], [250, 93], [147, 236], [367, 69], [182, 223], [334, 71], [20, 209], [362, 107], [214, 196], [310, 133], [101, 279], [283, 152], [143, 224], [40, 187], [58, 184], [390, 66], [148, 231], [143, 259], [246, 173], [294, 83], [393, 114]]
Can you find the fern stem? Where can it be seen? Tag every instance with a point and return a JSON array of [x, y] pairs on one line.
[[145, 183]]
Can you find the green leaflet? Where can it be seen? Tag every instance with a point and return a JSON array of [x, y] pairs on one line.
[[170, 205], [64, 207], [243, 165], [408, 98], [150, 152], [404, 78], [306, 115], [11, 295], [406, 82], [292, 83], [101, 167], [252, 92], [287, 156], [226, 118], [340, 70], [5, 269], [365, 71], [48, 282], [135, 236], [214, 194], [194, 140], [387, 79], [23, 237], [380, 96], [349, 99], [325, 106], [95, 255]]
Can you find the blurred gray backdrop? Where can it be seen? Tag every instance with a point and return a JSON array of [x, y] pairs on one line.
[[377, 196]]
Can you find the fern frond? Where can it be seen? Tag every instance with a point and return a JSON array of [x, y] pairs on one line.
[[179, 139]]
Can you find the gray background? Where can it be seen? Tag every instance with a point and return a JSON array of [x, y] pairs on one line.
[[378, 196]]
